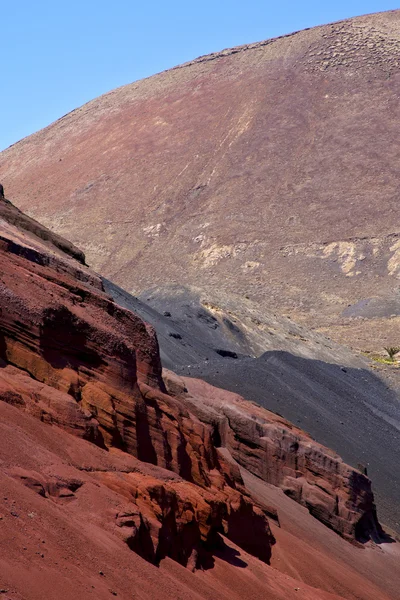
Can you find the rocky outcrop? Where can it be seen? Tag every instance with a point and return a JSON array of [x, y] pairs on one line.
[[281, 454], [167, 518], [59, 489], [65, 533], [20, 389], [71, 357], [12, 215], [184, 522]]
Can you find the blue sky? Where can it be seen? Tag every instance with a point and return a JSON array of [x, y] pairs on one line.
[[57, 55]]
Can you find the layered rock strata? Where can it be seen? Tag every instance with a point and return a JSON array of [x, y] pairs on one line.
[[281, 454], [71, 357]]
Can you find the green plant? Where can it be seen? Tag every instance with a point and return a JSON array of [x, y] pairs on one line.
[[382, 360], [392, 351]]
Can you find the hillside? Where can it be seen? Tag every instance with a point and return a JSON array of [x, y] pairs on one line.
[[269, 171]]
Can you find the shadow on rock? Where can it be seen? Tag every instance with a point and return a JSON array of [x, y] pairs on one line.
[[3, 350], [64, 340], [230, 555]]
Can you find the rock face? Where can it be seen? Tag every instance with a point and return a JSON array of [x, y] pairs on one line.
[[184, 523], [164, 518], [72, 516], [73, 358], [268, 170], [13, 216], [279, 453]]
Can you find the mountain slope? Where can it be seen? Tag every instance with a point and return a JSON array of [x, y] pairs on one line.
[[269, 170]]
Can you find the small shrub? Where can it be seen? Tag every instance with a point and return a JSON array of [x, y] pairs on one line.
[[392, 351]]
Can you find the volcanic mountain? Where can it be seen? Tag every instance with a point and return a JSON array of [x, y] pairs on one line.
[[120, 479], [269, 170]]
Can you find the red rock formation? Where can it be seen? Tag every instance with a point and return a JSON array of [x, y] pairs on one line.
[[57, 542], [281, 454], [183, 522], [70, 357], [74, 358], [12, 215]]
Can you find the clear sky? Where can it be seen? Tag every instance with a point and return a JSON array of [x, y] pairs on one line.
[[57, 55]]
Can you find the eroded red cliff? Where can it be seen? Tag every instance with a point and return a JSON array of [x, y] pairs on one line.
[[281, 454], [71, 357]]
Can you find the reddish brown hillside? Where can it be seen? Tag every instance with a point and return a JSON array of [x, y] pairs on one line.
[[113, 485], [270, 170]]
